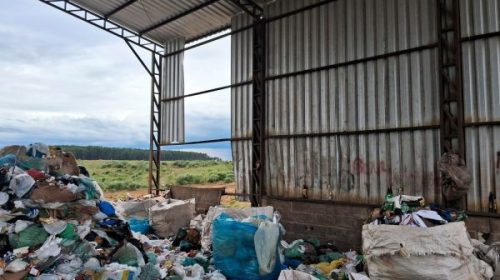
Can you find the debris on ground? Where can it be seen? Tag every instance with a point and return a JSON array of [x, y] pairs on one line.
[[412, 210], [407, 239], [55, 224]]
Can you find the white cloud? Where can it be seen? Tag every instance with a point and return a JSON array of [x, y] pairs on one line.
[[58, 130], [66, 82]]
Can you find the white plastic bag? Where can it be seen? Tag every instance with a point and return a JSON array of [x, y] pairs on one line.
[[295, 275], [54, 227], [21, 184], [47, 276], [69, 270], [16, 265], [266, 242], [216, 275], [21, 225], [50, 248], [93, 265], [193, 272]]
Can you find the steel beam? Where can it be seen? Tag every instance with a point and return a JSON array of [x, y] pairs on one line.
[[103, 23], [258, 110], [139, 58], [249, 7], [452, 131], [275, 18], [155, 124], [450, 74]]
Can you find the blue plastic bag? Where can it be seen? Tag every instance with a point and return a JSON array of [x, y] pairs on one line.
[[234, 250], [139, 225], [8, 160], [106, 208]]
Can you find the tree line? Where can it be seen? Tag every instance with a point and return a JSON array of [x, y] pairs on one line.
[[107, 153]]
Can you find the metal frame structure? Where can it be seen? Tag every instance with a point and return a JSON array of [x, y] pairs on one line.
[[102, 22], [155, 72], [155, 124], [258, 110], [256, 188], [450, 87], [449, 48]]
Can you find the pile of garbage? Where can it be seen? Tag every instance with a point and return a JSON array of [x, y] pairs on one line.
[[410, 210], [55, 224], [407, 239], [323, 261]]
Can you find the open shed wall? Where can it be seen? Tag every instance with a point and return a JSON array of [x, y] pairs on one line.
[[371, 115]]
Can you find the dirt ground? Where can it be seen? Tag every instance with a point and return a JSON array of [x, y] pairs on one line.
[[226, 200]]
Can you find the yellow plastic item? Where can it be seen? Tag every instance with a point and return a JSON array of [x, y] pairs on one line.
[[326, 268]]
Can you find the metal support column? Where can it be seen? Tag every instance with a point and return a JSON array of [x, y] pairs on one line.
[[259, 108], [450, 87], [450, 72], [154, 146]]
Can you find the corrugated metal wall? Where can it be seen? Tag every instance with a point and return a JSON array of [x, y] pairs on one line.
[[381, 94], [172, 112], [481, 73], [241, 103], [359, 105]]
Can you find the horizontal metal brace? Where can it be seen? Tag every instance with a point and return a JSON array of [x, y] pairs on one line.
[[206, 91], [208, 141]]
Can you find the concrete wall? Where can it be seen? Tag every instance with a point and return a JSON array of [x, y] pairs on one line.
[[328, 222], [476, 225]]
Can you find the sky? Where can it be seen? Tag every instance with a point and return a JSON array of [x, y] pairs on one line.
[[63, 81]]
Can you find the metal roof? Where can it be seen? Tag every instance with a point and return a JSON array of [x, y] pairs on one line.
[[164, 20]]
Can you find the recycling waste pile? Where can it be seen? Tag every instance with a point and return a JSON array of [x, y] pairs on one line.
[[407, 239], [56, 224]]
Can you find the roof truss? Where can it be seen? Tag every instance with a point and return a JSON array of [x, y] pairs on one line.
[[102, 22]]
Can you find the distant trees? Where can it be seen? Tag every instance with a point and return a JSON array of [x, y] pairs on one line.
[[97, 152]]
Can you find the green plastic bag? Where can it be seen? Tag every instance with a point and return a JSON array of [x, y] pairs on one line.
[[90, 190], [295, 251], [32, 236], [149, 272], [128, 254], [69, 232]]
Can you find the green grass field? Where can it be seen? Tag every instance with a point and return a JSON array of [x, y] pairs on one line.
[[115, 175]]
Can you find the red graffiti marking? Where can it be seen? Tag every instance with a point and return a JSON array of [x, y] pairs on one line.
[[359, 166]]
